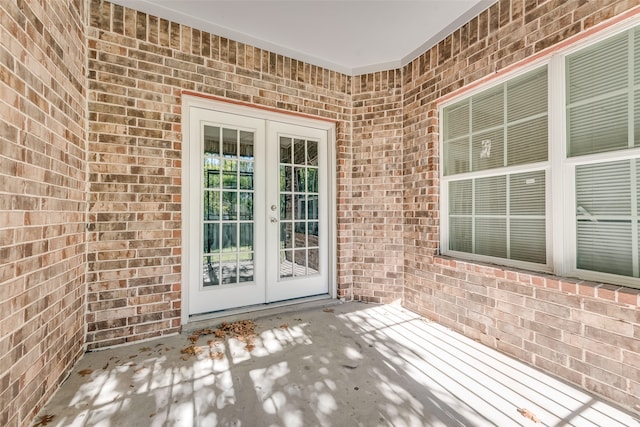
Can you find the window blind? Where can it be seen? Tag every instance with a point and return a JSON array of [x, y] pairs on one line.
[[606, 217], [603, 85]]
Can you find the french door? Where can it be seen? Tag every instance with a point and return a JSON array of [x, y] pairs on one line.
[[258, 211]]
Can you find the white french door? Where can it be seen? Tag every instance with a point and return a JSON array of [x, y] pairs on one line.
[[257, 220], [297, 242]]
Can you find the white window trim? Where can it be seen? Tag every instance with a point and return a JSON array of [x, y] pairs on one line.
[[560, 171], [503, 171]]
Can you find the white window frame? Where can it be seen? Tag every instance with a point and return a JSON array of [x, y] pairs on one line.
[[561, 235]]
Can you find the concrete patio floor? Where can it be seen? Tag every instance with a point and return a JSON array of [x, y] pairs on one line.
[[349, 364]]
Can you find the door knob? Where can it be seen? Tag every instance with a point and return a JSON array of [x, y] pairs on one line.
[[273, 219], [274, 207]]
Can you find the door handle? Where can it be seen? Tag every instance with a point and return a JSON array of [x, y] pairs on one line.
[[274, 220]]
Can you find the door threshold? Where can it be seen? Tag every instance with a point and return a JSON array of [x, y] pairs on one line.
[[197, 321]]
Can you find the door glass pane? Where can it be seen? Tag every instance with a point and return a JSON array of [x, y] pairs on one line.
[[312, 180], [212, 140], [286, 236], [211, 205], [229, 270], [300, 179], [211, 172], [230, 143], [246, 237], [314, 261], [211, 239], [246, 176], [230, 174], [312, 207], [312, 233], [299, 152], [230, 205], [245, 269], [285, 150], [246, 206], [211, 270], [228, 247], [286, 206], [312, 153], [286, 178], [299, 207], [286, 264]]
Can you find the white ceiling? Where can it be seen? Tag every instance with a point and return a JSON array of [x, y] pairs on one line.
[[350, 36]]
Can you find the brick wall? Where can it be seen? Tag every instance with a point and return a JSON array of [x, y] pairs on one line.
[[376, 187], [42, 200], [387, 176], [584, 332], [138, 67]]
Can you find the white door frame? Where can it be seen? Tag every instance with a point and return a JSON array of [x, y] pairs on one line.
[[233, 107]]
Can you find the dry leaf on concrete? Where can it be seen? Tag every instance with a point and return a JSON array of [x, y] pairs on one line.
[[528, 414], [85, 372], [43, 420], [217, 355], [191, 350], [284, 326], [328, 310]]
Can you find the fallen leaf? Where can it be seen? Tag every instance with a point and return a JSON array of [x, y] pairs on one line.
[[218, 355], [140, 369], [250, 347], [86, 372], [528, 414], [105, 366], [131, 357], [151, 415], [213, 343], [328, 310], [143, 349], [220, 333], [194, 338], [284, 326], [191, 350], [43, 420]]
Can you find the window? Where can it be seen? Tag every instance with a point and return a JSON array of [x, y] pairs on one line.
[[542, 171], [495, 162]]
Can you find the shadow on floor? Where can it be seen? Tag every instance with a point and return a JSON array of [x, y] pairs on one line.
[[351, 365]]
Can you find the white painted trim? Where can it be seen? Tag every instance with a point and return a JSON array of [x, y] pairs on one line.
[[203, 102], [558, 235]]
